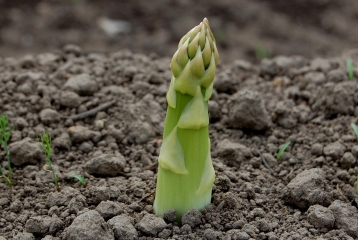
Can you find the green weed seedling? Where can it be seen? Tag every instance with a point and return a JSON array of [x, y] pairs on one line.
[[282, 150], [5, 135], [262, 52], [350, 70], [45, 142], [80, 178], [355, 129]]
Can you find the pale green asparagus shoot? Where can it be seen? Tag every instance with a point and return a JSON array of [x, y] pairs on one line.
[[185, 172], [5, 135], [45, 142]]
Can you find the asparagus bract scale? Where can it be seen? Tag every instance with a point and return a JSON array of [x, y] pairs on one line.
[[185, 172]]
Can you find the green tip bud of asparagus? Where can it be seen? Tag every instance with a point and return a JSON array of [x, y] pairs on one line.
[[194, 63], [185, 172]]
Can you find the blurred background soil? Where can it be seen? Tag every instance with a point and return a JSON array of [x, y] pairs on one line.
[[245, 29]]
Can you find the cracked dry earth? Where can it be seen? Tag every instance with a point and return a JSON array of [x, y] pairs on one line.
[[105, 113]]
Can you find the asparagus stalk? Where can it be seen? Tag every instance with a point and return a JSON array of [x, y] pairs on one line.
[[185, 172]]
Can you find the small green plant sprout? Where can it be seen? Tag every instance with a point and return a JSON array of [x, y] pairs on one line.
[[282, 150], [185, 170], [355, 129], [5, 135], [350, 70], [262, 52], [80, 178], [45, 142]]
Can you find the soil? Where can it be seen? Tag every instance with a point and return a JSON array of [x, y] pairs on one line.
[[105, 113], [247, 29]]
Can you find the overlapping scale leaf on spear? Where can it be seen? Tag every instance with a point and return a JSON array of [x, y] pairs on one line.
[[194, 63]]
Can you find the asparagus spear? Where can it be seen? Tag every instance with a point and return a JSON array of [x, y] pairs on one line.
[[185, 172]]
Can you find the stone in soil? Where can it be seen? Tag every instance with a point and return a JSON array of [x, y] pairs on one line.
[[62, 198], [346, 217], [22, 236], [49, 116], [106, 165], [336, 98], [192, 218], [308, 188], [286, 114], [26, 151], [232, 153], [62, 142], [247, 111], [320, 217], [70, 99], [99, 194], [170, 215], [334, 150], [144, 132], [82, 84], [89, 225], [108, 209], [123, 227], [151, 224], [80, 134], [40, 225]]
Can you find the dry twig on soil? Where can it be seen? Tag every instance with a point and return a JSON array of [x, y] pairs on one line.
[[265, 162], [92, 112]]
